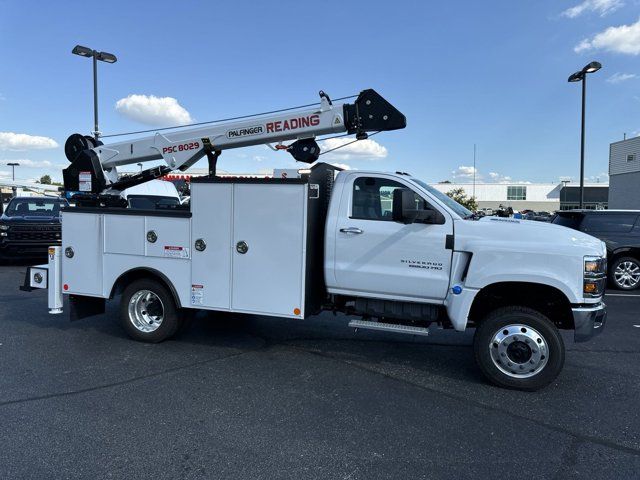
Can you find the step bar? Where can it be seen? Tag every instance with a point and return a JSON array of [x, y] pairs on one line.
[[389, 327]]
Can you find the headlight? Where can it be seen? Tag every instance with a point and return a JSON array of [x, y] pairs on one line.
[[595, 276], [595, 265], [4, 228]]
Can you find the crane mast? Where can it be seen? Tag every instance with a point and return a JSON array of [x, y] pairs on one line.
[[94, 166]]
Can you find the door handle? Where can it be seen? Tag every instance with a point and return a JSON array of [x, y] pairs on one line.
[[351, 230]]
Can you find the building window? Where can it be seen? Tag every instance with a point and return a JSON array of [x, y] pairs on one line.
[[517, 193], [631, 157]]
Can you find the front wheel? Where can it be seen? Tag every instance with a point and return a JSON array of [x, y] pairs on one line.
[[148, 312], [518, 347]]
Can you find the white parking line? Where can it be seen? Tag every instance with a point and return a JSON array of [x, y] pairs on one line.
[[621, 295]]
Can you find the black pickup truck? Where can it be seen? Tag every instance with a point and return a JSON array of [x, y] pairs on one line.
[[29, 225]]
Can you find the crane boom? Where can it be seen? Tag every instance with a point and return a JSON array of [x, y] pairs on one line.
[[93, 166]]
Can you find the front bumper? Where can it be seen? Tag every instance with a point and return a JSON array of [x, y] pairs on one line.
[[589, 320], [10, 249]]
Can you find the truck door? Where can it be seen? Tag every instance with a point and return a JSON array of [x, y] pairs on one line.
[[375, 256]]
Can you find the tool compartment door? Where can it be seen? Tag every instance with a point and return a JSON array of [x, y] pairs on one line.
[[211, 205], [268, 249], [82, 263]]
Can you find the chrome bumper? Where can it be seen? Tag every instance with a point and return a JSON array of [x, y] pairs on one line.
[[589, 321]]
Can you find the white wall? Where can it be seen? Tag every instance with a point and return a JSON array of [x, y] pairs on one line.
[[497, 192]]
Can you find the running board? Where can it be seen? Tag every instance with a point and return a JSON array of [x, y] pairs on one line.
[[389, 327]]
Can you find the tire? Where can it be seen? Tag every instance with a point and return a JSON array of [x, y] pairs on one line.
[[535, 353], [148, 312], [624, 273]]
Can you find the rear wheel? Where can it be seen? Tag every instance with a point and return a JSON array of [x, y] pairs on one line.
[[148, 312], [625, 273], [517, 347]]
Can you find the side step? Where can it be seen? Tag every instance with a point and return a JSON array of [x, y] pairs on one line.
[[389, 327]]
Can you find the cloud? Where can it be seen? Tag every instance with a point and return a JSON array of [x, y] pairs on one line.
[[362, 149], [465, 173], [621, 77], [601, 7], [602, 177], [153, 111], [22, 141], [622, 39], [259, 158]]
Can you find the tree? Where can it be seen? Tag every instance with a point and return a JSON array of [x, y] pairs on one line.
[[460, 196], [45, 180]]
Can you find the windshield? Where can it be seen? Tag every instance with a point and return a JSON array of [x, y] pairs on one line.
[[448, 201], [31, 207], [571, 220], [151, 202]]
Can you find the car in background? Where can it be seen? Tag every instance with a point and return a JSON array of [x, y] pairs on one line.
[[537, 216], [29, 225], [620, 230]]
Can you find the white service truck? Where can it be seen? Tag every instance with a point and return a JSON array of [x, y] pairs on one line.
[[384, 247]]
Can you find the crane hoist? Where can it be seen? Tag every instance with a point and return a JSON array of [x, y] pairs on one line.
[[93, 172]]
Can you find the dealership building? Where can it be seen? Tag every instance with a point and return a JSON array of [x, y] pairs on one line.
[[546, 197], [624, 174]]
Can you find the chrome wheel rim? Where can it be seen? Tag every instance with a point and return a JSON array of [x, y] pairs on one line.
[[519, 351], [146, 311], [627, 274]]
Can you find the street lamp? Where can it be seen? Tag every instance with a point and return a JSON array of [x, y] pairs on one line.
[[103, 57], [13, 166], [581, 76]]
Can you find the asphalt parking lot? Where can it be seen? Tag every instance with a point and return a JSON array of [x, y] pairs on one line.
[[263, 398]]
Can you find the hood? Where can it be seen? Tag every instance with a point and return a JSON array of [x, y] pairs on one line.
[[29, 219], [526, 235]]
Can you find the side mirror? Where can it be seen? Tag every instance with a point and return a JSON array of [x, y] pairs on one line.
[[404, 209]]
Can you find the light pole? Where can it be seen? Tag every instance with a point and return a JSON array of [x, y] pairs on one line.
[[13, 166], [103, 57], [581, 76]]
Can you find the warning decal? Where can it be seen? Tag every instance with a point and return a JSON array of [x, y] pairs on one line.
[[197, 294], [176, 252], [84, 181]]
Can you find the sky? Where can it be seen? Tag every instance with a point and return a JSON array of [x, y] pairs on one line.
[[491, 73]]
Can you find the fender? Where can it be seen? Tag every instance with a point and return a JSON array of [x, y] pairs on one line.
[[135, 273]]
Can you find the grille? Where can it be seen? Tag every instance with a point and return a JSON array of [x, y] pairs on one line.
[[34, 233]]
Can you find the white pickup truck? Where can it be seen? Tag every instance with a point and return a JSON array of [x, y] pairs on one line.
[[384, 247]]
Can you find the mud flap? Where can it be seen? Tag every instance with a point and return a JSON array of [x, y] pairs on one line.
[[82, 307]]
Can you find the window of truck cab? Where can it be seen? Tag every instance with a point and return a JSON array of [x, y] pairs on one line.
[[372, 198]]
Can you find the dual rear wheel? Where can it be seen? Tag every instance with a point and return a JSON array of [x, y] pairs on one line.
[[148, 311]]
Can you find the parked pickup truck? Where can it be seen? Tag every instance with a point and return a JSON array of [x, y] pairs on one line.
[[29, 226], [386, 247]]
